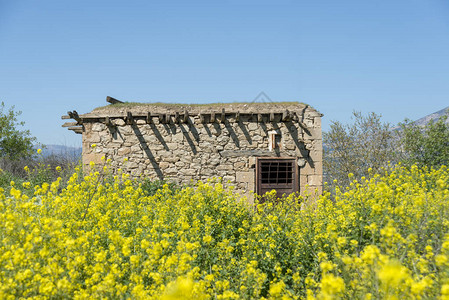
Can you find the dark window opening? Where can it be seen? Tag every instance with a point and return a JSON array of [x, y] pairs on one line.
[[276, 172], [280, 174]]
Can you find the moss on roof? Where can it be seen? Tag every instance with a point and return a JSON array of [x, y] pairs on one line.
[[177, 105], [121, 109]]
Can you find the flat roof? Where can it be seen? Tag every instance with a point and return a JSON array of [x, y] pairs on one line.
[[119, 109]]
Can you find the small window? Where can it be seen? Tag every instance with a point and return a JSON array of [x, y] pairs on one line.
[[277, 172], [280, 174]]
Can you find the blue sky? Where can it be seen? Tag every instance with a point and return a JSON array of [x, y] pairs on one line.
[[390, 57]]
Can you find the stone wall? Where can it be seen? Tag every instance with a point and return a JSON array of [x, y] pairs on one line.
[[199, 150]]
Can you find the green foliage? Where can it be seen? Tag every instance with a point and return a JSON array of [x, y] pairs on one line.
[[425, 146], [14, 143], [36, 171], [354, 148], [369, 143], [150, 187], [6, 178]]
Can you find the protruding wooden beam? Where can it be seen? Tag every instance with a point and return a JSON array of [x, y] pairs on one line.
[[129, 118], [76, 129], [259, 118], [65, 117], [108, 121], [161, 118], [186, 117], [74, 115], [272, 117], [295, 117], [212, 117], [149, 119], [69, 124], [286, 116], [167, 118], [202, 118], [176, 117], [223, 116], [112, 100], [237, 116]]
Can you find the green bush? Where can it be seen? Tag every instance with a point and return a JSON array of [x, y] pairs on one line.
[[14, 143], [36, 171], [425, 145]]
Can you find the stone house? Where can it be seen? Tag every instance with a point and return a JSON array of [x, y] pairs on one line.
[[256, 147]]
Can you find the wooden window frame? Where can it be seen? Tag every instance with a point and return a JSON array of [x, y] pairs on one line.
[[261, 188]]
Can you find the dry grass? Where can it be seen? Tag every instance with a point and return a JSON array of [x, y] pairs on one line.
[[176, 105]]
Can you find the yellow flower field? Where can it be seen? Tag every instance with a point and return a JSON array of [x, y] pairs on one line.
[[101, 237]]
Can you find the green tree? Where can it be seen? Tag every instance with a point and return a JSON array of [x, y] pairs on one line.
[[354, 148], [425, 145], [14, 143]]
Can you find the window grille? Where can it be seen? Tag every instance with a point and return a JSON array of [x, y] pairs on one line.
[[280, 174], [277, 172]]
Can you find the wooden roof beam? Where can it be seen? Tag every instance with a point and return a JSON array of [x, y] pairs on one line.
[[108, 121], [286, 116], [113, 100], [77, 129], [74, 115], [223, 116], [69, 124], [129, 118], [149, 119]]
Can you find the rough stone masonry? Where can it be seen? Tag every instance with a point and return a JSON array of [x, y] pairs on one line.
[[255, 147]]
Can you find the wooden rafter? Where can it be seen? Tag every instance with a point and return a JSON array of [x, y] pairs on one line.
[[113, 100], [181, 117]]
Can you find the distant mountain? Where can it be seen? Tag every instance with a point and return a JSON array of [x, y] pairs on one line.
[[435, 116], [61, 150]]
